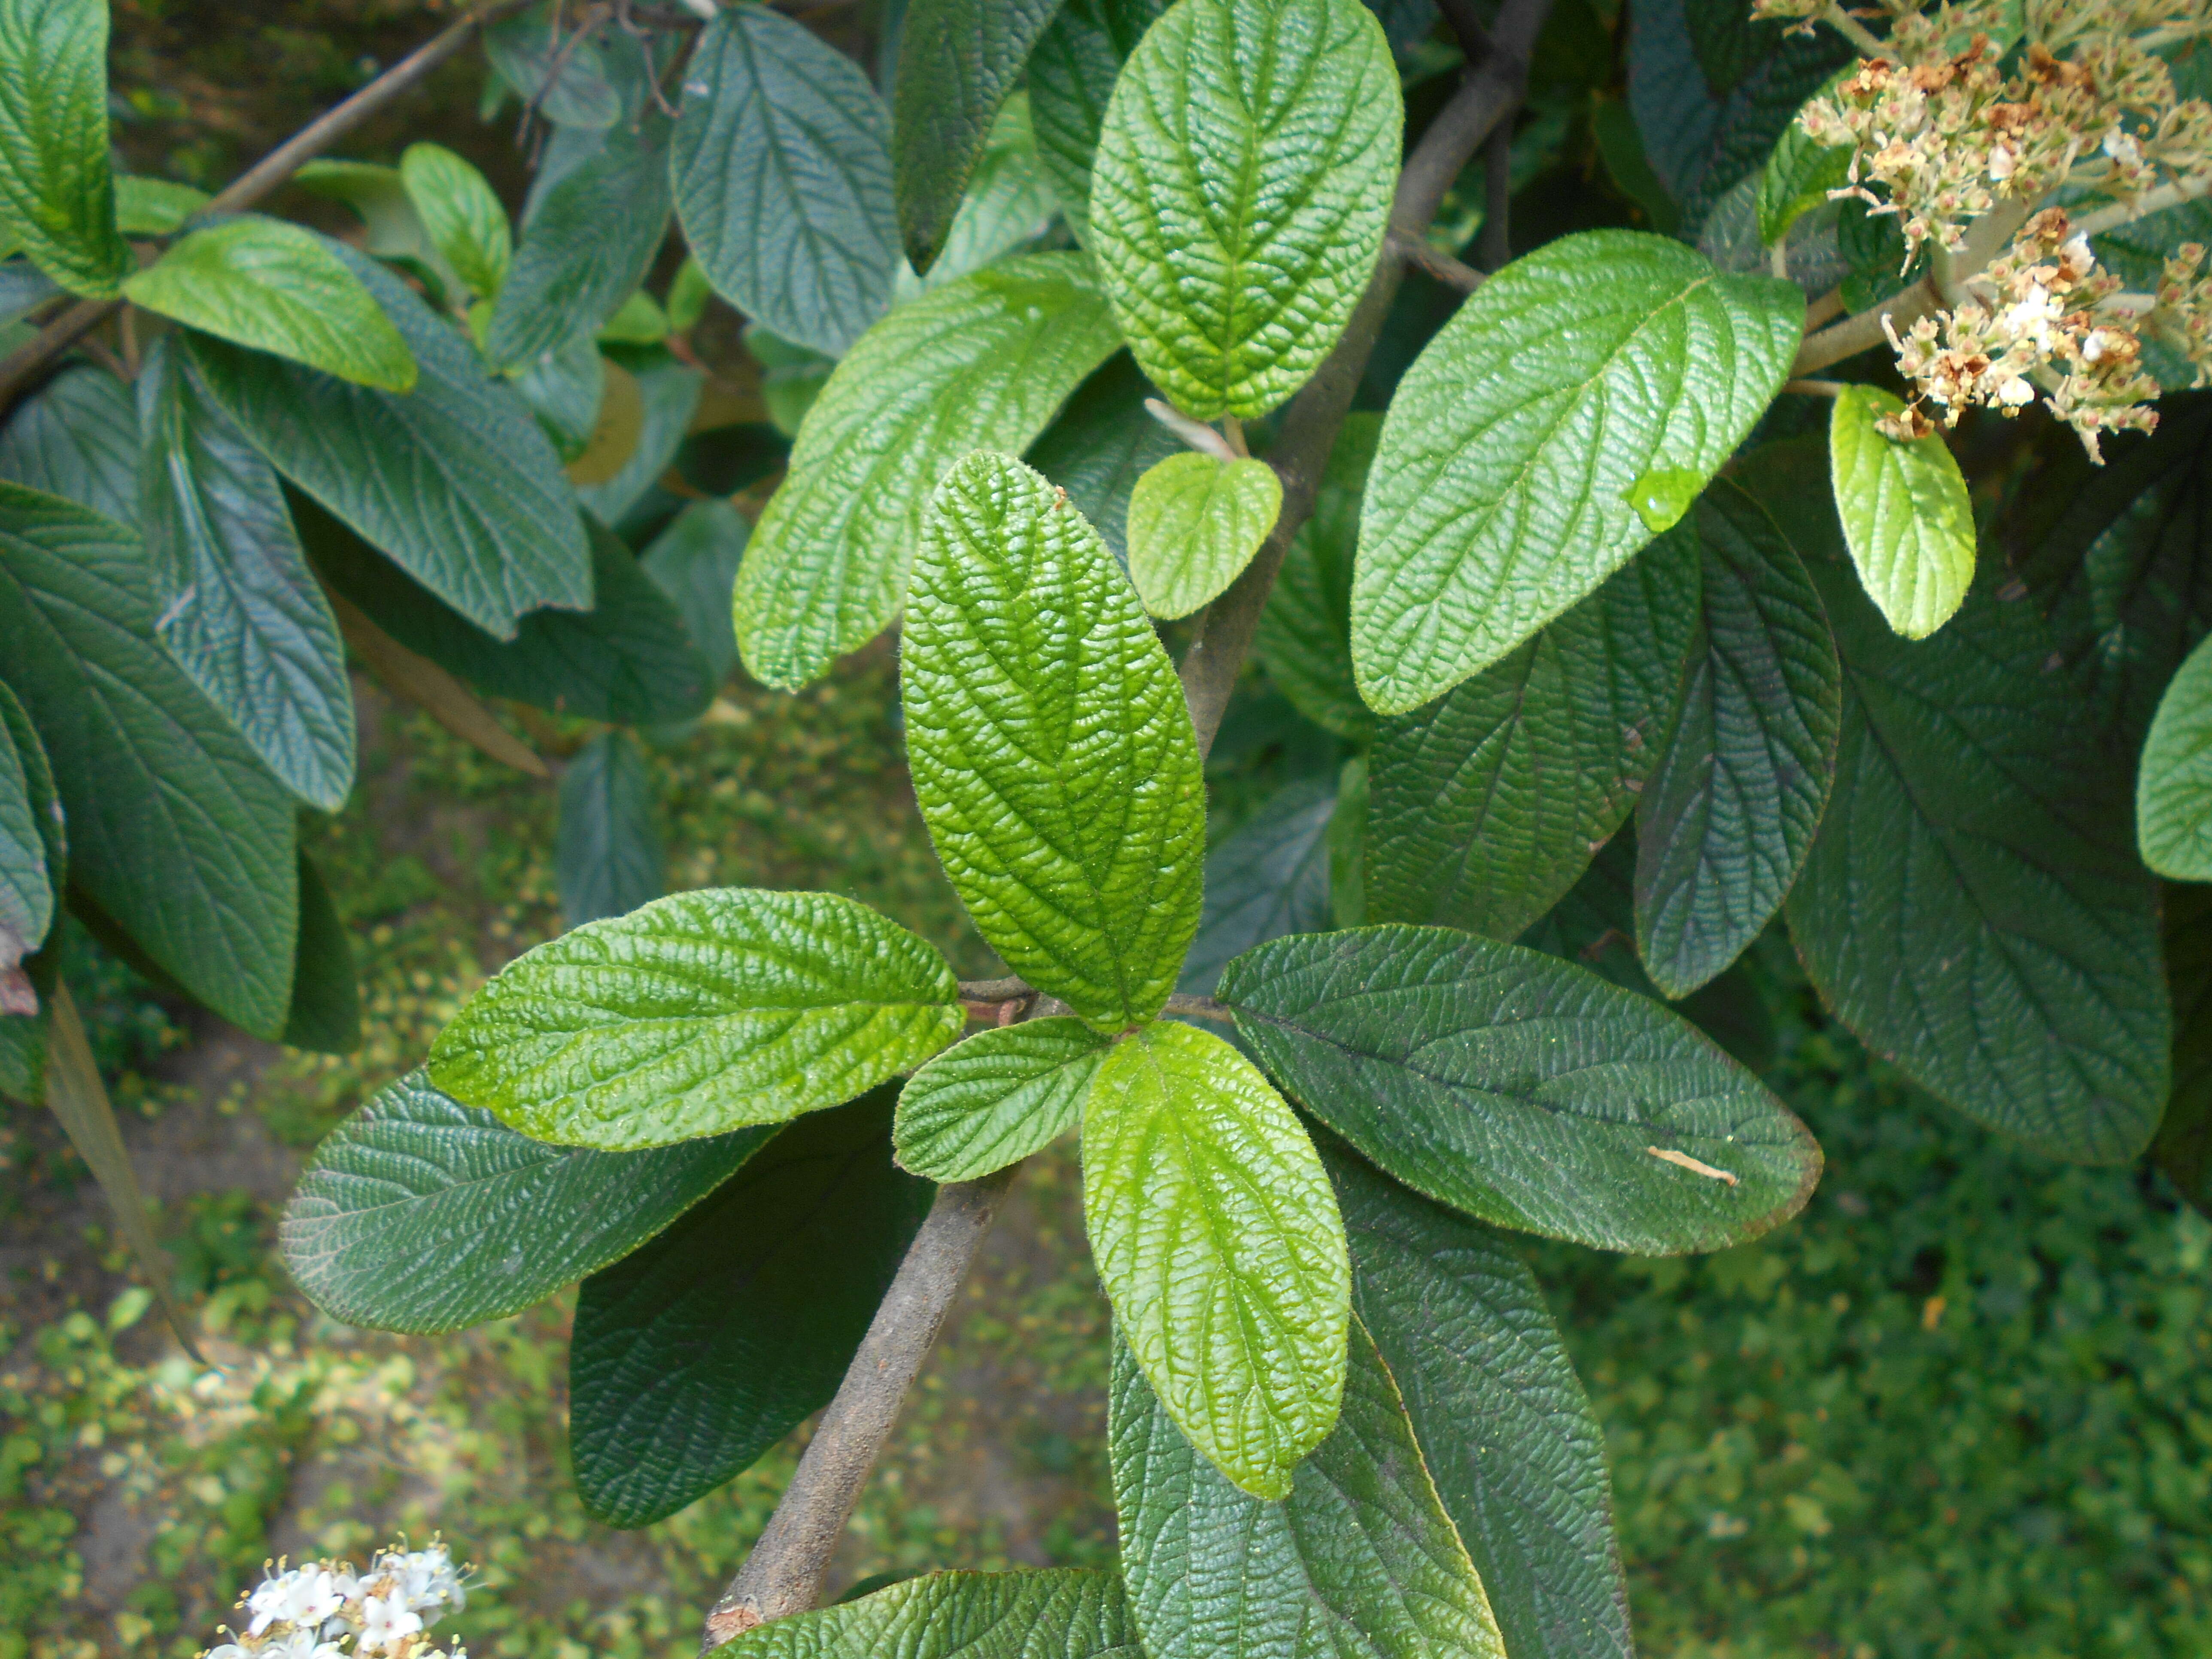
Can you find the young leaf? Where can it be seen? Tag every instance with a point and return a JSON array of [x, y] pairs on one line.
[[1796, 180], [462, 215], [700, 1012], [77, 438], [1500, 1416], [1071, 77], [617, 425], [2173, 787], [697, 1353], [273, 286], [1906, 519], [1101, 443], [392, 227], [783, 178], [1361, 1556], [1304, 638], [1523, 1091], [1238, 196], [606, 852], [668, 396], [981, 363], [997, 1098], [1218, 1240], [1194, 524], [1268, 879], [957, 61], [175, 829], [325, 1016], [1570, 410], [695, 563], [56, 192], [1489, 804], [1051, 751], [1066, 1614], [453, 480], [155, 207], [28, 882], [418, 1213], [240, 612], [1724, 825]]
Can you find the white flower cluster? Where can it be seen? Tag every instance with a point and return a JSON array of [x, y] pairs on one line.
[[327, 1610]]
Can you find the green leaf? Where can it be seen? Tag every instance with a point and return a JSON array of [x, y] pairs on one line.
[[783, 178], [418, 1213], [1071, 77], [697, 1353], [27, 881], [77, 438], [700, 1012], [324, 1016], [392, 228], [1051, 752], [563, 78], [1522, 1089], [564, 388], [981, 363], [1489, 804], [1724, 825], [607, 851], [1906, 515], [277, 287], [1238, 196], [175, 828], [689, 290], [1066, 1614], [1797, 178], [2173, 789], [1347, 845], [2183, 1147], [1100, 445], [588, 242], [1359, 1558], [1218, 1240], [240, 612], [23, 1037], [1973, 908], [1502, 491], [669, 392], [695, 563], [1194, 524], [958, 59], [23, 288], [997, 1098], [1304, 639], [1271, 877], [155, 207], [453, 481], [461, 215], [56, 193], [1009, 202], [1497, 1411]]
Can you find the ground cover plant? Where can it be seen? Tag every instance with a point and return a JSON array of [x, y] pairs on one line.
[[1118, 336]]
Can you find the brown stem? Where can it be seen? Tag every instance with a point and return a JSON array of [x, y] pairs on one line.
[[258, 181], [1497, 197], [1862, 332], [1418, 253]]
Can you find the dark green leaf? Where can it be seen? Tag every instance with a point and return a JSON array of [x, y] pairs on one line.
[[565, 80], [56, 193], [325, 1012], [564, 388], [418, 1213], [606, 852], [1268, 879], [997, 1098], [1009, 202], [2183, 1147], [1304, 640], [23, 1036], [698, 1353], [1100, 445], [1522, 1089], [669, 391], [27, 881], [1068, 1614], [77, 438], [695, 563], [1071, 76]]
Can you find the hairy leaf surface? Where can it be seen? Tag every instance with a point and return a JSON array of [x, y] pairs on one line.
[[1270, 877], [77, 438], [1194, 524], [57, 190], [1065, 1613], [606, 850], [1906, 519], [997, 1098]]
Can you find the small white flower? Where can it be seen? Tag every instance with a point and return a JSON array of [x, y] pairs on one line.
[[301, 1644], [385, 1620], [2016, 391], [304, 1596]]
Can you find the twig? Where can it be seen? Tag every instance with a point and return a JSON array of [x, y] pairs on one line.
[[1419, 252], [1861, 332], [1815, 388], [258, 181], [1855, 32], [1497, 197], [1197, 433], [2152, 201], [1197, 1007]]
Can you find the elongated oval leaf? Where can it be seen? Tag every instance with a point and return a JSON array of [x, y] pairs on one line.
[[1522, 1090], [1906, 518], [783, 178], [1724, 825], [2174, 786], [1487, 806], [606, 852], [1304, 638], [273, 286], [240, 611], [392, 227], [1066, 1614], [1071, 76], [454, 479], [1269, 877], [1194, 524], [1569, 411], [77, 438], [997, 1098], [461, 215], [418, 1213], [697, 1353], [1218, 1240], [698, 1013], [1360, 1557], [981, 363], [1051, 751], [57, 191], [175, 829]]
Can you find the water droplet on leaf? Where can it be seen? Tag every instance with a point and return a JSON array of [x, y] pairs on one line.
[[1661, 498]]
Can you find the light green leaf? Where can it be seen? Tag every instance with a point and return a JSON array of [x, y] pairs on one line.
[[1522, 1090], [698, 1013], [392, 228], [239, 610], [277, 287], [77, 437], [1269, 877], [606, 850], [1194, 524], [638, 321], [1358, 1559], [1050, 749], [461, 215], [695, 563], [1798, 176], [1071, 77], [1218, 1240], [981, 363], [1906, 518], [1066, 1614], [155, 207], [783, 178], [1501, 493], [56, 192], [1304, 639], [418, 1213], [2173, 787], [1238, 197], [1100, 445], [689, 290], [997, 1098]]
